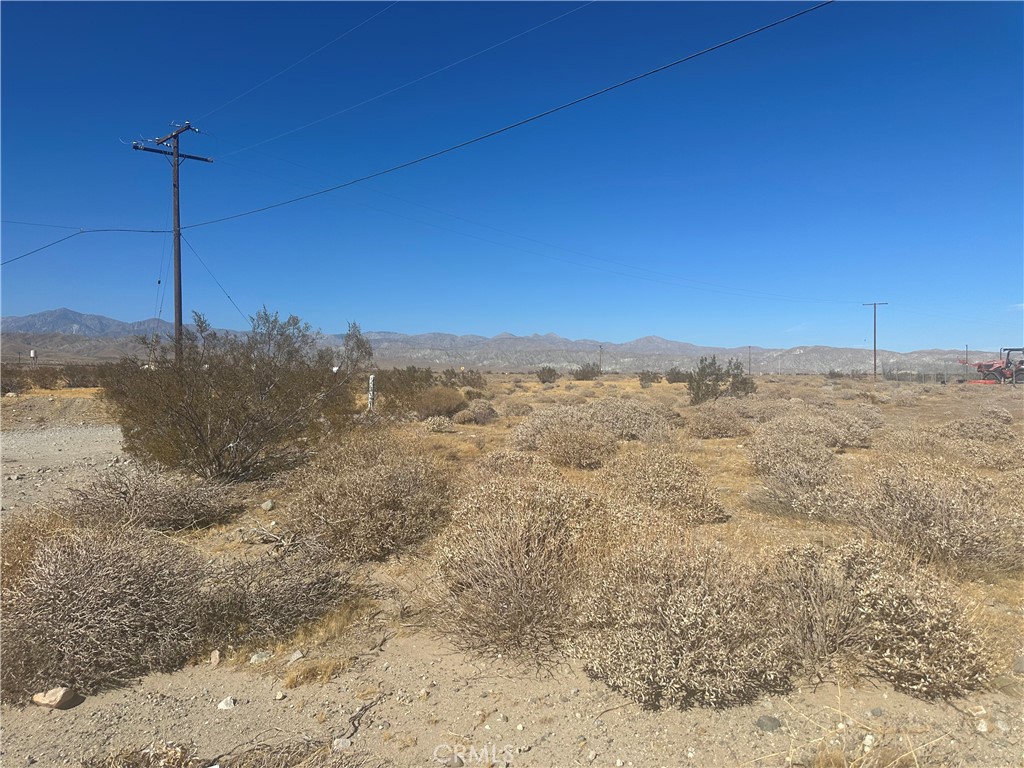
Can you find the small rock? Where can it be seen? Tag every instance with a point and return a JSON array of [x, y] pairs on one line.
[[1018, 665], [876, 712], [280, 696], [267, 505], [619, 763], [295, 657], [592, 756], [981, 726], [384, 725], [768, 723], [55, 698], [339, 744], [519, 727], [1003, 726], [503, 718], [454, 761], [977, 710], [259, 658], [214, 658], [869, 741], [228, 703]]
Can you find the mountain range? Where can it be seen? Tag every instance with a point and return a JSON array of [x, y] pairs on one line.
[[61, 335]]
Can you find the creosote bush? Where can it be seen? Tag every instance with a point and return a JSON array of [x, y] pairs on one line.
[[586, 372], [547, 375], [237, 406], [506, 567], [94, 609], [439, 401], [711, 380], [680, 625], [662, 481], [371, 495], [800, 473]]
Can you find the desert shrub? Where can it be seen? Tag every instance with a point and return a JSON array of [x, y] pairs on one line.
[[581, 445], [547, 375], [23, 534], [800, 472], [647, 378], [399, 387], [271, 597], [442, 423], [716, 419], [997, 413], [904, 398], [941, 512], [95, 609], [710, 380], [482, 412], [663, 481], [869, 415], [80, 375], [517, 408], [861, 603], [236, 406], [304, 753], [507, 567], [586, 372], [369, 496], [675, 375], [510, 463], [141, 496], [438, 401], [629, 419], [462, 417], [679, 626], [984, 427], [462, 379]]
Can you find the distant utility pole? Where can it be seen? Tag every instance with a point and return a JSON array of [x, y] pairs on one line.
[[600, 357], [176, 158], [749, 372], [874, 311]]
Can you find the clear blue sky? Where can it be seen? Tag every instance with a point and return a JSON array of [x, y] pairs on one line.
[[756, 195]]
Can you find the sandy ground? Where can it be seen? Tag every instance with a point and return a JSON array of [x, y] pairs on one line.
[[405, 698]]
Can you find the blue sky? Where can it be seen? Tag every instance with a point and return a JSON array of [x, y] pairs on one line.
[[756, 195]]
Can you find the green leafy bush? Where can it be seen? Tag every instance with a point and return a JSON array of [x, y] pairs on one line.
[[547, 375], [236, 406], [586, 372]]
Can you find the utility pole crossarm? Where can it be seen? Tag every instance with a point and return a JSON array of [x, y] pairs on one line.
[[176, 158]]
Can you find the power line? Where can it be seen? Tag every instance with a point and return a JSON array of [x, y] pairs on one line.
[[411, 82], [304, 58], [43, 248], [515, 125], [214, 278], [37, 224]]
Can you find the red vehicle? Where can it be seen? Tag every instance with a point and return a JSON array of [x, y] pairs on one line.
[[1009, 367]]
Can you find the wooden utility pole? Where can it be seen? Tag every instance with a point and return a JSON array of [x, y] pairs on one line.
[[875, 305], [176, 158]]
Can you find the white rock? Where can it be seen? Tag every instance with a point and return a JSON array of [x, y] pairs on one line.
[[228, 703], [339, 744], [55, 698], [267, 505], [214, 658], [259, 658], [280, 696]]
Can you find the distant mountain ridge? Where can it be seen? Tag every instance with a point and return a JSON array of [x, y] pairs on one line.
[[63, 334]]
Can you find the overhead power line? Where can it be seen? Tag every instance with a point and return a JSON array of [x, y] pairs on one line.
[[222, 289], [304, 58], [83, 231], [517, 124], [397, 88]]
